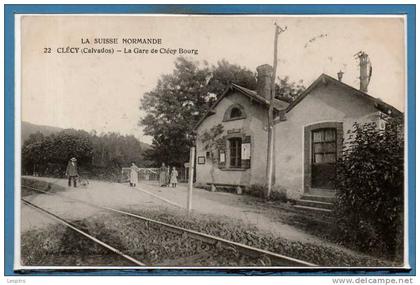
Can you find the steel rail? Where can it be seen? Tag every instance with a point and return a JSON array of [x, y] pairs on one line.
[[249, 250], [66, 223]]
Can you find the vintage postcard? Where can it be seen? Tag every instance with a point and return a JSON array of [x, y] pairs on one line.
[[266, 142]]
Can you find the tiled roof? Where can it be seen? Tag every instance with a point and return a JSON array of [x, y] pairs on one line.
[[282, 105], [278, 104], [253, 95], [379, 104]]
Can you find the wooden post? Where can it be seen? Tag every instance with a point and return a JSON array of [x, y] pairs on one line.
[[190, 180], [270, 144]]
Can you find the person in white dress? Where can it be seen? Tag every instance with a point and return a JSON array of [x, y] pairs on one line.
[[174, 177], [134, 177]]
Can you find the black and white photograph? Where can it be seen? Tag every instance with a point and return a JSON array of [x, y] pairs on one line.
[[210, 141]]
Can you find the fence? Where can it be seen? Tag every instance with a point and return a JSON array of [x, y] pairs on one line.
[[152, 174]]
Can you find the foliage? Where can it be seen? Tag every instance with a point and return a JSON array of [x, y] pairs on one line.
[[172, 108], [287, 90], [236, 230], [211, 140], [100, 156], [50, 154], [260, 190], [278, 194], [370, 183], [38, 184], [225, 73]]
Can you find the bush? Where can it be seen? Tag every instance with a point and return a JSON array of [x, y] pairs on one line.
[[98, 156], [256, 190], [202, 186], [259, 190], [278, 194], [370, 183]]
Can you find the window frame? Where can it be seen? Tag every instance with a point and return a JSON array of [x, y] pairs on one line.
[[245, 164], [322, 143], [239, 115], [227, 116], [237, 143]]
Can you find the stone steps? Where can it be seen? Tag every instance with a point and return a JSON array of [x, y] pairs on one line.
[[319, 198], [313, 209], [316, 203]]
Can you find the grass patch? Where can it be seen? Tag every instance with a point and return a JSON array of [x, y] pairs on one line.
[[239, 232], [56, 245], [39, 184]]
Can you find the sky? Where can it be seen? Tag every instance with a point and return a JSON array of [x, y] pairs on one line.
[[102, 92]]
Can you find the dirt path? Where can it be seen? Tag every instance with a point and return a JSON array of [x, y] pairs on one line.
[[102, 193], [150, 196], [231, 206]]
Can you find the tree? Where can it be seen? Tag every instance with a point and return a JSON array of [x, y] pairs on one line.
[[370, 183], [212, 141], [116, 151], [33, 154], [225, 73], [288, 91], [172, 109], [99, 156]]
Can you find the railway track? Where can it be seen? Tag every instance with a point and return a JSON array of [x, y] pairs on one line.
[[83, 233], [272, 258]]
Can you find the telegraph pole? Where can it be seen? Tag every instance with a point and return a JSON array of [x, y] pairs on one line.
[[190, 180], [270, 144]]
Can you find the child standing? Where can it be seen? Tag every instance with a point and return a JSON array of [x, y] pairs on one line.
[[174, 177]]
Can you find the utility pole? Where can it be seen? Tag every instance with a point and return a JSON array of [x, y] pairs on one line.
[[190, 180], [270, 144]]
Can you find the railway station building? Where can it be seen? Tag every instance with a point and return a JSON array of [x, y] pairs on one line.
[[308, 133]]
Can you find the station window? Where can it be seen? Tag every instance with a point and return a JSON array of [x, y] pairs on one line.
[[235, 152], [235, 113], [324, 146]]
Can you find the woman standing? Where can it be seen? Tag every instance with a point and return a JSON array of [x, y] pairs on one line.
[[134, 176], [168, 176], [162, 175], [174, 177]]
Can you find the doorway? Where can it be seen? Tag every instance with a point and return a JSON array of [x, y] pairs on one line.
[[324, 158], [323, 143]]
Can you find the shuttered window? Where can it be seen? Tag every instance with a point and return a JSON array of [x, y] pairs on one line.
[[246, 153]]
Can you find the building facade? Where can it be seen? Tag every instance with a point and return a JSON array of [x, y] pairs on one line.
[[308, 134]]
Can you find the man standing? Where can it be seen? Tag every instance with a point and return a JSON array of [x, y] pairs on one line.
[[71, 171]]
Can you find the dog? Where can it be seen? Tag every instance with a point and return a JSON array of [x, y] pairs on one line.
[[83, 182]]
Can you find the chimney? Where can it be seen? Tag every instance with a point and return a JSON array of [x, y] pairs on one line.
[[365, 71], [340, 75], [265, 73]]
